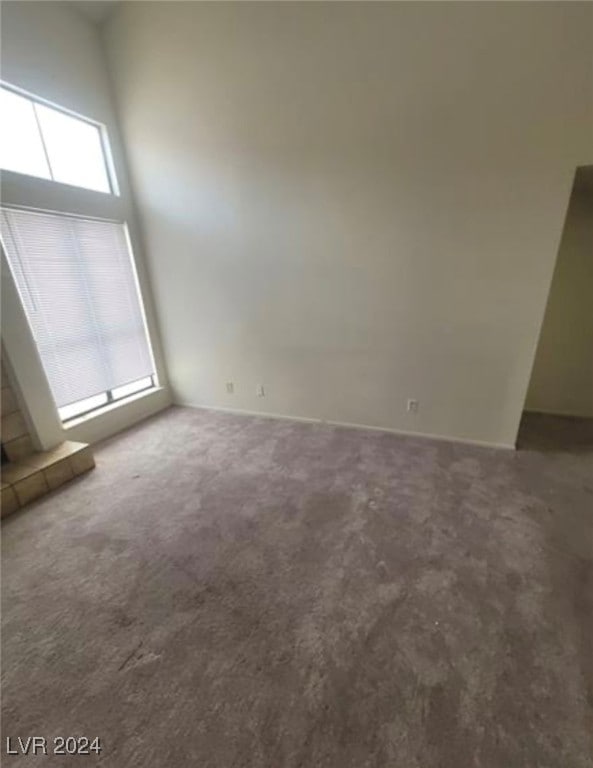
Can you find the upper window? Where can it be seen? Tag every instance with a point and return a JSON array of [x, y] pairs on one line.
[[49, 143]]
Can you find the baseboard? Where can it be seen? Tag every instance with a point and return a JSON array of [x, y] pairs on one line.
[[350, 425]]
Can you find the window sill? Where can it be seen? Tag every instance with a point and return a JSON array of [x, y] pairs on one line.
[[76, 422]]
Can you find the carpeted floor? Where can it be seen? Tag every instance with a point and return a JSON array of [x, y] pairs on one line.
[[228, 591]]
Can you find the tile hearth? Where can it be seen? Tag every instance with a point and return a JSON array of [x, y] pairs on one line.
[[40, 473], [27, 474]]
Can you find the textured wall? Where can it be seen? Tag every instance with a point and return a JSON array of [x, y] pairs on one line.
[[354, 204]]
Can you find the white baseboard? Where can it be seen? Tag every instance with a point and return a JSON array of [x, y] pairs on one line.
[[349, 425]]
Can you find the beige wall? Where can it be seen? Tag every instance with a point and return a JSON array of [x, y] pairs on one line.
[[562, 378], [355, 204], [52, 51]]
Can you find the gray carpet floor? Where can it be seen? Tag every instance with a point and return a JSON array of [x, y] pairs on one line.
[[226, 591]]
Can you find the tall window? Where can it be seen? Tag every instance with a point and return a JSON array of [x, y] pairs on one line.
[[74, 273]]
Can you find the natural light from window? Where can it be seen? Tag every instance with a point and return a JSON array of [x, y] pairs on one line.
[[21, 148], [41, 141], [74, 269], [77, 283], [89, 404]]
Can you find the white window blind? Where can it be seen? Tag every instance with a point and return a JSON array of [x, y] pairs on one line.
[[79, 290]]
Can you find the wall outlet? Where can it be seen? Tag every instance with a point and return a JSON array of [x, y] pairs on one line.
[[260, 391], [230, 387], [413, 406]]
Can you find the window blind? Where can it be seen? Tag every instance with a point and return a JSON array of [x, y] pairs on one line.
[[78, 287]]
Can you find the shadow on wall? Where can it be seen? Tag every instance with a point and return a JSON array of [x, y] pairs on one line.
[[562, 377]]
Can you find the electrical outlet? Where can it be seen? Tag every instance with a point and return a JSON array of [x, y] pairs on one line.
[[260, 391], [413, 406], [230, 387]]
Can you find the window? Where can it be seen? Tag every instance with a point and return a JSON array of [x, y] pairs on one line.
[[49, 143], [79, 290], [72, 266]]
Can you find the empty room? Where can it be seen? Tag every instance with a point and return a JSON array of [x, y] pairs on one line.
[[297, 384]]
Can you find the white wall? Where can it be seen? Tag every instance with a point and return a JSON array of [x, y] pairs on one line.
[[354, 203], [562, 378], [50, 50]]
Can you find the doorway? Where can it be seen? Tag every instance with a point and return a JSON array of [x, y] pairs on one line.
[[558, 409]]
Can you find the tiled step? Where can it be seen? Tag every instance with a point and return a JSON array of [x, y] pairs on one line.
[[39, 473]]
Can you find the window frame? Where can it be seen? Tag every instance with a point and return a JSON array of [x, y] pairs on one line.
[[154, 376], [114, 188], [110, 400], [34, 193]]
